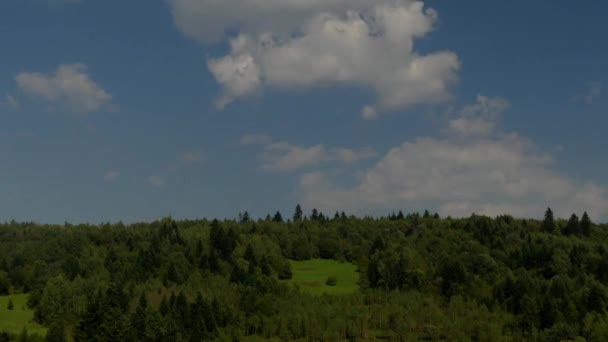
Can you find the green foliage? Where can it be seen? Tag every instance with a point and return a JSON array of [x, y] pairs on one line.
[[401, 277]]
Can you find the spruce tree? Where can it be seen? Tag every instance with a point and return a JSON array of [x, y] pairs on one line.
[[277, 217], [548, 224], [297, 215], [586, 224], [573, 226]]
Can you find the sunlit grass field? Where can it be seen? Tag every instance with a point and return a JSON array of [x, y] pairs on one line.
[[310, 276], [13, 321]]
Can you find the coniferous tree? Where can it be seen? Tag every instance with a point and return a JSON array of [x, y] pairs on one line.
[[586, 224], [426, 214], [297, 215], [548, 224], [10, 305], [573, 226], [245, 218], [277, 217], [314, 216]]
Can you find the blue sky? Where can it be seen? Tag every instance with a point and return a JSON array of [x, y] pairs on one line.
[[133, 110]]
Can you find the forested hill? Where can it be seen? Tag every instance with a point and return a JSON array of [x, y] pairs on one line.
[[420, 277]]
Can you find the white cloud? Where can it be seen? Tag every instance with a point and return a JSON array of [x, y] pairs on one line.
[[69, 85], [192, 157], [111, 175], [156, 181], [356, 42], [483, 174], [479, 119], [283, 156], [209, 20]]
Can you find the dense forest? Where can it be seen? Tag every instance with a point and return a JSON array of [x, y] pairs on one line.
[[421, 277]]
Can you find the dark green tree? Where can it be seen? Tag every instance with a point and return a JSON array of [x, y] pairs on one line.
[[573, 226], [586, 224], [277, 217], [297, 215], [10, 305], [548, 224]]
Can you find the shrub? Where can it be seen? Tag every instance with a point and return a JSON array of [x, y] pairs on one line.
[[331, 281]]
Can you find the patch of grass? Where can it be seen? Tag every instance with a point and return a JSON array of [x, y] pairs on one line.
[[311, 276], [13, 321]]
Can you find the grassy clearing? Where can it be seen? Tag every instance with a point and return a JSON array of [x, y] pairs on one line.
[[13, 321], [311, 275]]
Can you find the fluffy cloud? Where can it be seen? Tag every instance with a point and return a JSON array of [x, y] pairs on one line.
[[282, 156], [210, 20], [292, 43], [479, 118], [484, 174], [69, 85]]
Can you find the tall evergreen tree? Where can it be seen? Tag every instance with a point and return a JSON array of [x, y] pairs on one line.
[[586, 224], [277, 217], [548, 224], [297, 215], [573, 226]]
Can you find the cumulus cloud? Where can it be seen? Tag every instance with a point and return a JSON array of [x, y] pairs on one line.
[[283, 156], [69, 85], [299, 44], [479, 118], [156, 181], [485, 174]]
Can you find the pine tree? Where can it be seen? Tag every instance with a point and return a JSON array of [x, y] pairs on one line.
[[426, 214], [10, 305], [297, 215], [573, 226], [277, 217], [548, 224], [245, 218], [586, 224], [314, 216]]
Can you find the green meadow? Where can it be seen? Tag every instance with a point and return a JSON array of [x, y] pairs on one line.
[[13, 321], [311, 275]]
